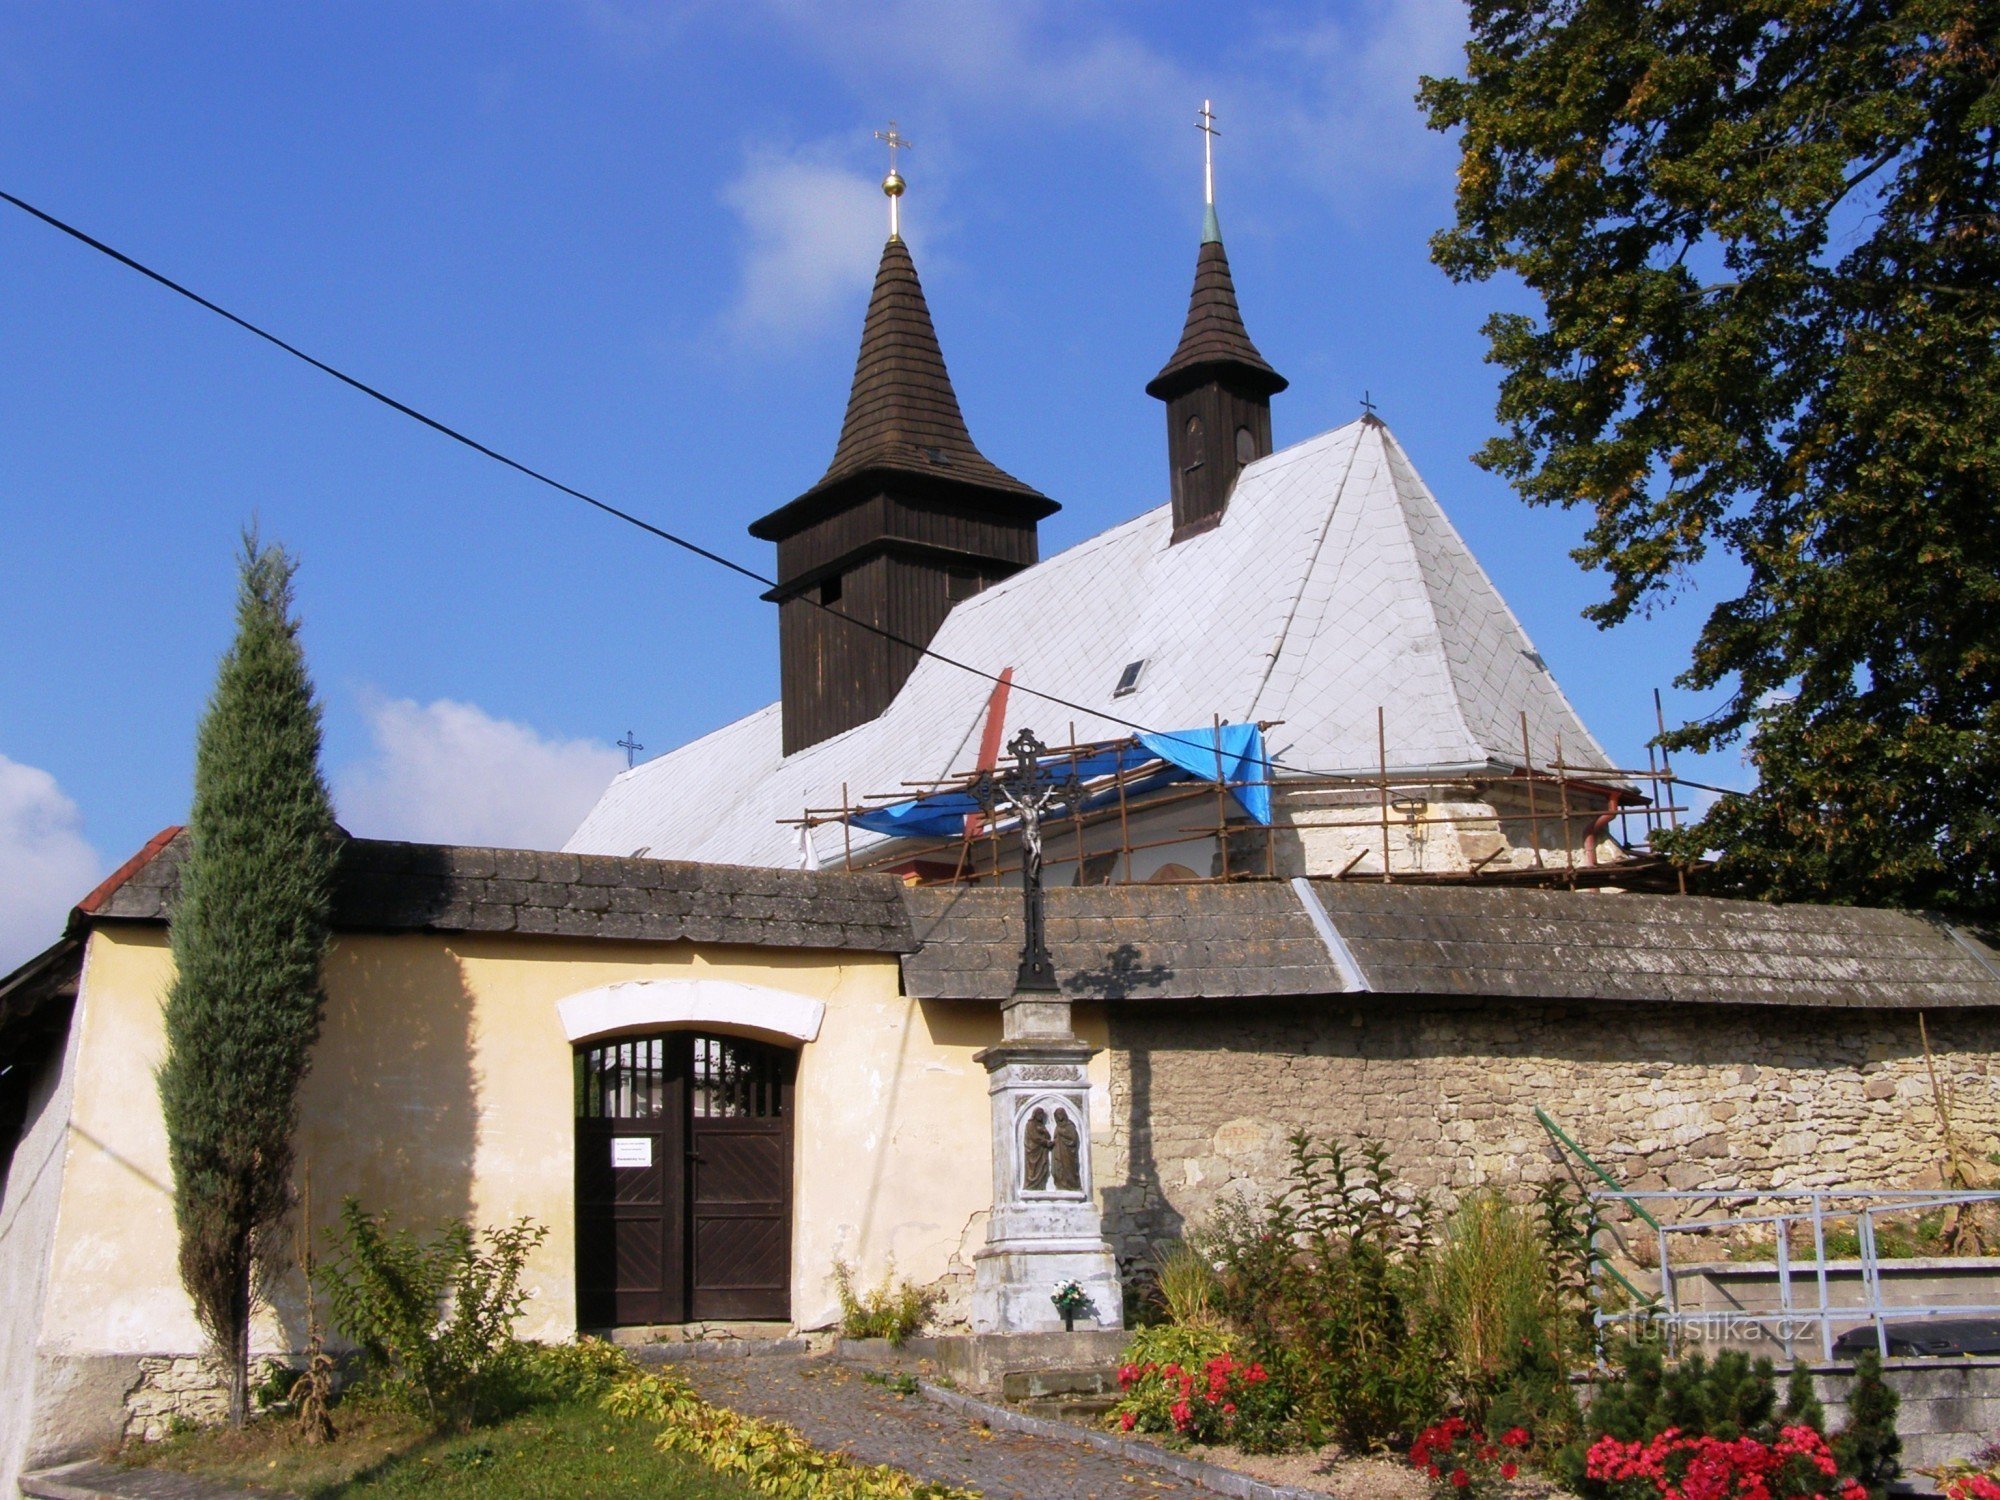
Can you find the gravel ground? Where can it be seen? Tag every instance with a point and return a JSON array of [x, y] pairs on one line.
[[836, 1408], [1327, 1470]]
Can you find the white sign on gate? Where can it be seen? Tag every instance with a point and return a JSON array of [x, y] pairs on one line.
[[631, 1151]]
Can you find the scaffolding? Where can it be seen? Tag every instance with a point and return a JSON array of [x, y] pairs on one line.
[[1102, 838]]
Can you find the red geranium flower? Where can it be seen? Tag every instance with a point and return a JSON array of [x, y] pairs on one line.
[[1460, 1479], [1509, 1469]]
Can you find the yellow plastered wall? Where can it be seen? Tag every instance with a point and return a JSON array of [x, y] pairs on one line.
[[442, 1088]]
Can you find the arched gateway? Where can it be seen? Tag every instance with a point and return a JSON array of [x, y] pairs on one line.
[[683, 1103]]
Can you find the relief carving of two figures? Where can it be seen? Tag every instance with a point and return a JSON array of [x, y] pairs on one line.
[[1051, 1156]]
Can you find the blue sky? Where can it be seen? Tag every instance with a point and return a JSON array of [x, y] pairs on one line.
[[630, 243]]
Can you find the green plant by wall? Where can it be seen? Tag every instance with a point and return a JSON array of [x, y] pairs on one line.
[[1802, 1400], [1184, 1285], [1495, 1290], [435, 1317], [768, 1456], [248, 934], [1329, 1284], [1868, 1447], [892, 1309]]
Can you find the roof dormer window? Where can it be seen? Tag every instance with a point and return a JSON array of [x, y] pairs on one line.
[[1128, 680]]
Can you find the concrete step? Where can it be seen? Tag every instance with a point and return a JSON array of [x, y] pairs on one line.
[[687, 1349], [1038, 1385], [684, 1341], [1086, 1411]]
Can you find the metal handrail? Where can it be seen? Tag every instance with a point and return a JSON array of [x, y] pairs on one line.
[[1873, 1202]]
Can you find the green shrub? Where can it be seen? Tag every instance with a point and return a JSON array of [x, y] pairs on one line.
[[273, 1388], [436, 1318], [1329, 1283], [892, 1310], [551, 1374], [1184, 1284], [1802, 1401], [1494, 1289], [1191, 1383], [1868, 1448], [1223, 1400], [1506, 1322]]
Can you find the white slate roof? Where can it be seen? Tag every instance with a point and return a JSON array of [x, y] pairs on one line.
[[1333, 585]]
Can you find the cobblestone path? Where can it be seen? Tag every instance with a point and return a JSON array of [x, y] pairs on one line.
[[836, 1408]]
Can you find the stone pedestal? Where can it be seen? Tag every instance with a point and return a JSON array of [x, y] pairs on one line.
[[1044, 1227]]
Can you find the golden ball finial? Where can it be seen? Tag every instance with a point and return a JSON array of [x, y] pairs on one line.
[[893, 183]]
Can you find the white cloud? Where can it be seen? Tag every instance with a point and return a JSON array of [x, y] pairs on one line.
[[46, 866], [812, 234], [447, 772], [1340, 95], [1324, 95]]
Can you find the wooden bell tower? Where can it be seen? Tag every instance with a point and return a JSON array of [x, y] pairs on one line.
[[909, 519], [1217, 387]]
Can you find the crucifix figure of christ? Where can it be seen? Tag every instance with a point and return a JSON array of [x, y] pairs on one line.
[[1032, 792]]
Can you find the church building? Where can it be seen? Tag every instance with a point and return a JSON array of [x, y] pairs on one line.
[[1321, 847]]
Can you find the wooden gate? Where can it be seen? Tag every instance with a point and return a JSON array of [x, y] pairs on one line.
[[683, 1180]]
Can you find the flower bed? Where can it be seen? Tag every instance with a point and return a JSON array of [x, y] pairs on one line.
[[1220, 1400], [1460, 1461], [1677, 1466]]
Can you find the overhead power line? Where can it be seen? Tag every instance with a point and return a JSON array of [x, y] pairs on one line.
[[707, 554]]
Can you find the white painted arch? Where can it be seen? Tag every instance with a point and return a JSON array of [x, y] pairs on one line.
[[662, 1004]]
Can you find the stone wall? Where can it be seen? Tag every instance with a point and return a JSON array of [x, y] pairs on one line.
[[1204, 1095], [173, 1391]]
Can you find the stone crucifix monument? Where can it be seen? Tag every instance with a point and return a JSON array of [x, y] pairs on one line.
[[1044, 1230]]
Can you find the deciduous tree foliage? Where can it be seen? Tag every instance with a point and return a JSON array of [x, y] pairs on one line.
[[1765, 240], [248, 935]]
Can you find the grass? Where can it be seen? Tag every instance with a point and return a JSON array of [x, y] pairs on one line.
[[1901, 1238], [573, 1448]]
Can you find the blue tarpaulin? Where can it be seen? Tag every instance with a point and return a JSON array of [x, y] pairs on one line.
[[1189, 754]]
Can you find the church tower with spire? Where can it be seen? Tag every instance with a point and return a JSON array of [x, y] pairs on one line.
[[909, 518], [1217, 387]]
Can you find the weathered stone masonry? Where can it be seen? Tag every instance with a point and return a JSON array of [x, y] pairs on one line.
[[1203, 1095]]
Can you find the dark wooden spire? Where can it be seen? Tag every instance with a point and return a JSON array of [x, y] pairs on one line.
[[1218, 391], [909, 518], [902, 413]]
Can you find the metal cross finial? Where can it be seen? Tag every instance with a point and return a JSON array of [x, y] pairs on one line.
[[1367, 404], [1033, 792], [631, 747], [1204, 121], [892, 185]]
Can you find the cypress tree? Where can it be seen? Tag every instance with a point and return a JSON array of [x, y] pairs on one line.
[[248, 935]]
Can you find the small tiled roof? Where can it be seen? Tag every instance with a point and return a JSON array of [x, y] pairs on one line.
[[1226, 943], [1559, 944], [1122, 942], [395, 887], [1214, 340], [35, 1000], [902, 414]]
